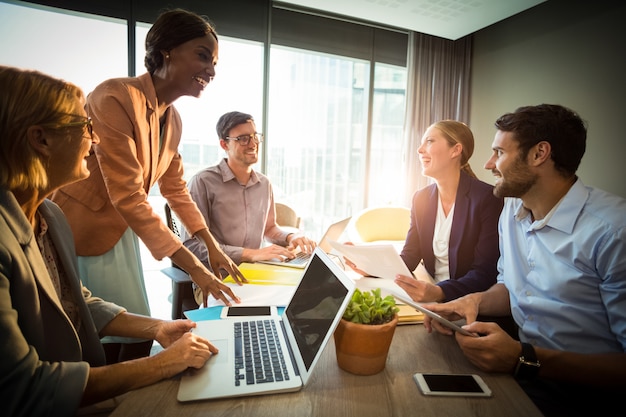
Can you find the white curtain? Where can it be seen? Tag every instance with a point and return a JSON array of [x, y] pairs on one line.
[[437, 89]]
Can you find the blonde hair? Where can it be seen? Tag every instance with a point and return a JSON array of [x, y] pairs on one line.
[[458, 132], [29, 98]]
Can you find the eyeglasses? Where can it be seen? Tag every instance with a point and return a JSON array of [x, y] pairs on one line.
[[87, 123], [244, 140]]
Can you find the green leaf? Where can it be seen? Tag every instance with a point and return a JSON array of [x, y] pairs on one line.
[[370, 307]]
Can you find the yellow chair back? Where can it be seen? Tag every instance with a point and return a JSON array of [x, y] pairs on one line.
[[383, 223]]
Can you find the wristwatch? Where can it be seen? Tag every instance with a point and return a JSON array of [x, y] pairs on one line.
[[528, 366]]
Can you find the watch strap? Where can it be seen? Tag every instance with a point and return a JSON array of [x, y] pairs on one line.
[[528, 365]]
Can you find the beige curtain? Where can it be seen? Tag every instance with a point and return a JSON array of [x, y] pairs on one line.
[[437, 88]]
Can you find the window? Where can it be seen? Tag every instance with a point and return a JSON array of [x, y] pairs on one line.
[[335, 109], [317, 119], [387, 160], [67, 45], [335, 116], [317, 142]]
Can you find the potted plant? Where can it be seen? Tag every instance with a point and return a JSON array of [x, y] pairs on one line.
[[364, 334]]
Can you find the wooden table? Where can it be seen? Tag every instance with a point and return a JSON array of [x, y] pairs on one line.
[[333, 392]]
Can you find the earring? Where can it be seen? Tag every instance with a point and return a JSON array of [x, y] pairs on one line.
[[167, 56]]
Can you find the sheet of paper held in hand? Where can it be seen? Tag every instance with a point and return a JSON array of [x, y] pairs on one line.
[[382, 261], [379, 261]]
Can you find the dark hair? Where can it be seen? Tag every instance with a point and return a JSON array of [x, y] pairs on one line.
[[230, 120], [561, 127], [171, 29]]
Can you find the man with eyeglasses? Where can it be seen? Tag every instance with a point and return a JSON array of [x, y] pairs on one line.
[[238, 202]]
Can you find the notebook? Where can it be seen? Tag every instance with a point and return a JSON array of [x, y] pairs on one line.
[[302, 258], [301, 332]]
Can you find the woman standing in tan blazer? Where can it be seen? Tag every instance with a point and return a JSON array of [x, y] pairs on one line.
[[139, 131]]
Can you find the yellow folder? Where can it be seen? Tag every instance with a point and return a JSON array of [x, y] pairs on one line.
[[263, 274]]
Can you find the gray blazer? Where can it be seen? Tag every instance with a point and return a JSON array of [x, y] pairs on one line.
[[44, 362]]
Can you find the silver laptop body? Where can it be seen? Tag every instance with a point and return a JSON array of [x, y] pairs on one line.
[[303, 330]]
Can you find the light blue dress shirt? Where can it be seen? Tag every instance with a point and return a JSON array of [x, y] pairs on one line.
[[566, 273]]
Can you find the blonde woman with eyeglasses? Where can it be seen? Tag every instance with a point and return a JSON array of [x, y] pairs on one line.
[[51, 359], [140, 131]]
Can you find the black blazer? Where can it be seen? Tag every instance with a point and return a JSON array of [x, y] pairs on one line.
[[473, 247]]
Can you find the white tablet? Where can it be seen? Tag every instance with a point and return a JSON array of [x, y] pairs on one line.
[[432, 315]]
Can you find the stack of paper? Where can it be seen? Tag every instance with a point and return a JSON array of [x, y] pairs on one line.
[[409, 315]]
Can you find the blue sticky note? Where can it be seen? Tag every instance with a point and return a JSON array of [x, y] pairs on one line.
[[200, 314]]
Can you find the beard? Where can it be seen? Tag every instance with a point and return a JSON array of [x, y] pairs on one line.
[[516, 183]]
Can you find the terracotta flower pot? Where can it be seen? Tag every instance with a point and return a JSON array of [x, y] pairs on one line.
[[362, 348]]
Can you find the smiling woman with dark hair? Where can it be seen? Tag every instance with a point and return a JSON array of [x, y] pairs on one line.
[[140, 130]]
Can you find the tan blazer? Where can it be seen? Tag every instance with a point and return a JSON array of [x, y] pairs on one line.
[[124, 166]]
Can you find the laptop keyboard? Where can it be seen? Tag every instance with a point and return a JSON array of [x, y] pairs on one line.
[[300, 259], [258, 355]]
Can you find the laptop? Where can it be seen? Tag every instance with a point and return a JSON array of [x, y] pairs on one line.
[[301, 333], [301, 260]]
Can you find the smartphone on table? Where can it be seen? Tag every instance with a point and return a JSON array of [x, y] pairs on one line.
[[245, 311], [464, 385]]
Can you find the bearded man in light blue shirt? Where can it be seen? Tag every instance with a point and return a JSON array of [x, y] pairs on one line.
[[562, 270]]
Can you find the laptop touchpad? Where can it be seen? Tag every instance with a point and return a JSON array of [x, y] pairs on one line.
[[222, 356]]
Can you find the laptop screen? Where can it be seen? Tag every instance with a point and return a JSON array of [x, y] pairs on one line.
[[313, 308]]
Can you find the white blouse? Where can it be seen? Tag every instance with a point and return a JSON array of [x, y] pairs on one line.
[[441, 242]]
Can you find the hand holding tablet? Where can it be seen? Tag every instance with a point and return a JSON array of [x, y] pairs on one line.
[[433, 315]]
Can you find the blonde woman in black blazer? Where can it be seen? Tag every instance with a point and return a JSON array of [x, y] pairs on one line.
[[467, 256]]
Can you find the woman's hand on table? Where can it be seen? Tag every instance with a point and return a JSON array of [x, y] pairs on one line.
[[169, 331], [210, 284], [189, 351]]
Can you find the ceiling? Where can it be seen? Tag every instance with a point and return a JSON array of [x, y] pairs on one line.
[[449, 19]]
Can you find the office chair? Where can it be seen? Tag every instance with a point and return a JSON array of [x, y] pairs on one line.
[[381, 224], [286, 216], [182, 289]]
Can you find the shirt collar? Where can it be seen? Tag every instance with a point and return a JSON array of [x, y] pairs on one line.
[[564, 214], [228, 175]]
